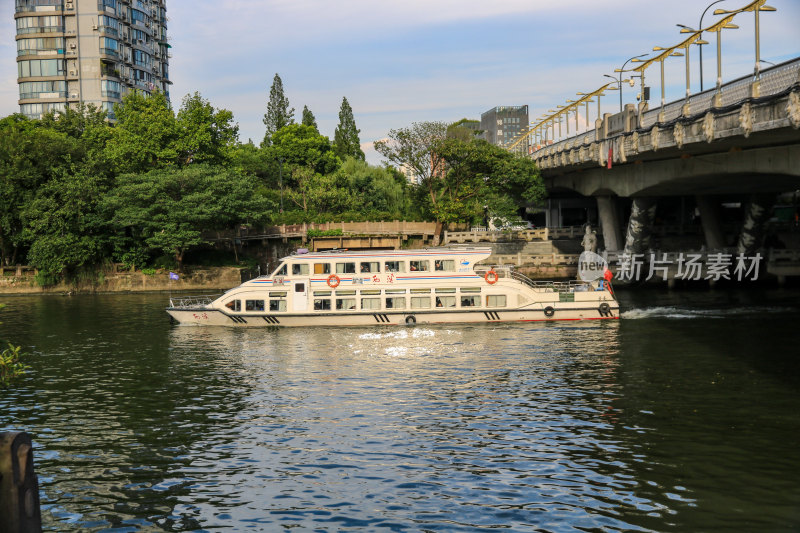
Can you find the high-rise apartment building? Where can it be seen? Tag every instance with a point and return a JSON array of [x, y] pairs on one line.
[[89, 51], [503, 124]]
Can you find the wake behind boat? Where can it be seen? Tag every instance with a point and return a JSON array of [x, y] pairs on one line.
[[392, 287]]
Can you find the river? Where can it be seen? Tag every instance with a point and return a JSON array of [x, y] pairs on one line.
[[683, 416]]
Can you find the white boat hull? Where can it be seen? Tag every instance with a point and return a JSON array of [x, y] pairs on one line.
[[561, 311]]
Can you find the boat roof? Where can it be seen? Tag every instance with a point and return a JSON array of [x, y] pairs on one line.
[[421, 252]]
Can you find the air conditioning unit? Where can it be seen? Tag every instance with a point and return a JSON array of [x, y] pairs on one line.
[[73, 95], [95, 27], [70, 5], [73, 73], [124, 35], [73, 45], [146, 24]]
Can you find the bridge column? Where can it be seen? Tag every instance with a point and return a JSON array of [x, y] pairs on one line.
[[640, 225], [709, 217], [609, 222], [756, 214]]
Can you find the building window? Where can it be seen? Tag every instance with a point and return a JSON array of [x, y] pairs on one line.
[[37, 110], [110, 89], [108, 25], [49, 24], [109, 46], [54, 45], [41, 67], [42, 89]]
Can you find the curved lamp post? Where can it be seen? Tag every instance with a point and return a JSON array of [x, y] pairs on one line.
[[620, 71], [700, 43], [756, 7]]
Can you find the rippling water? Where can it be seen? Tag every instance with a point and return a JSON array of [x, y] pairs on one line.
[[683, 416]]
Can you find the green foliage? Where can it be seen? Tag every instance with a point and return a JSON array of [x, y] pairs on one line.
[[11, 365], [205, 134], [63, 226], [312, 233], [146, 134], [346, 142], [302, 146], [279, 114], [414, 148], [149, 271], [168, 210], [309, 119]]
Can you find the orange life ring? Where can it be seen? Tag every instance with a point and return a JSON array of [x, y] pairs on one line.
[[333, 281], [491, 277]]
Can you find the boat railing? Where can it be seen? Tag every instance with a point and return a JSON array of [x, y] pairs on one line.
[[202, 300], [506, 271]]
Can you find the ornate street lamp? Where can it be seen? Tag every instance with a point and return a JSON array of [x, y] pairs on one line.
[[700, 42]]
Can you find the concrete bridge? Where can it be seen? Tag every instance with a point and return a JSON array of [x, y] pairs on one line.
[[742, 138]]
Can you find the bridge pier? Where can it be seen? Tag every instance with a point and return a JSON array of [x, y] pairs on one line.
[[709, 217], [608, 214], [640, 225], [756, 214]]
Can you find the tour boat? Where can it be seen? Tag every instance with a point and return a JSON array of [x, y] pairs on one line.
[[396, 287]]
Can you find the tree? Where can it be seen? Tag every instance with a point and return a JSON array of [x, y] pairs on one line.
[[205, 134], [345, 139], [481, 176], [414, 148], [64, 227], [146, 134], [30, 157], [309, 119], [169, 209], [11, 365], [376, 189], [302, 146], [278, 113]]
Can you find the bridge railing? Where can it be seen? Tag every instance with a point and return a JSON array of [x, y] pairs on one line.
[[773, 80]]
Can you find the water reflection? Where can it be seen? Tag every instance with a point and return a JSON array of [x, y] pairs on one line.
[[648, 424]]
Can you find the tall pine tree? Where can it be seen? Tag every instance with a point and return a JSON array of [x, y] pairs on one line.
[[308, 118], [345, 138], [278, 112]]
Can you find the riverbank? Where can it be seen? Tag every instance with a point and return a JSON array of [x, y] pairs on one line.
[[113, 280]]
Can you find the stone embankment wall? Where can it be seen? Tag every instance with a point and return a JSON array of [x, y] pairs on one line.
[[125, 281]]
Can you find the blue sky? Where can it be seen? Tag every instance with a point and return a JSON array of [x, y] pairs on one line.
[[401, 61]]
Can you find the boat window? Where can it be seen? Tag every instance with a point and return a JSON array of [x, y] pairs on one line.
[[370, 291], [370, 267], [394, 266], [445, 291], [299, 287], [470, 301], [322, 268], [420, 302], [322, 293], [445, 265], [277, 294], [322, 304], [300, 269], [445, 301], [277, 305], [395, 291], [345, 268], [281, 270], [470, 289], [396, 303], [345, 293], [234, 305], [419, 266], [345, 304], [254, 305], [420, 291], [370, 303], [495, 300]]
